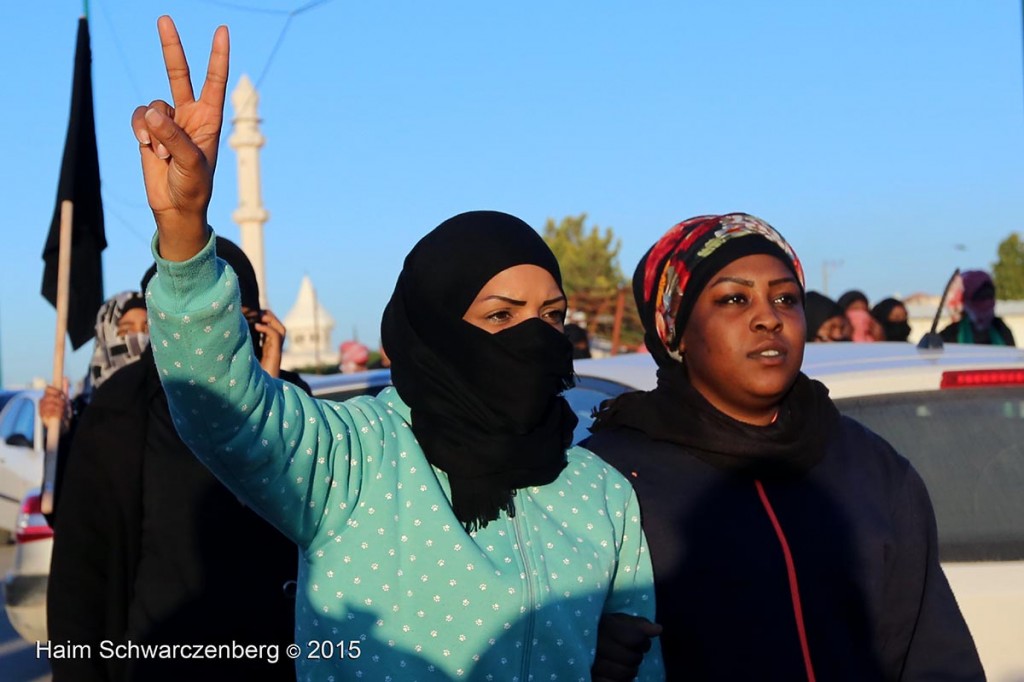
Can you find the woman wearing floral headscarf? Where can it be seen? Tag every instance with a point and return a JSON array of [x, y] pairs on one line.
[[788, 541]]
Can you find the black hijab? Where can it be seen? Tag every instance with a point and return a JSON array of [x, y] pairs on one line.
[[486, 408], [817, 309], [894, 331], [248, 285], [850, 297]]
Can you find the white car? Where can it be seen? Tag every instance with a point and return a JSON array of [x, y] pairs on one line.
[[24, 586], [957, 414], [21, 454]]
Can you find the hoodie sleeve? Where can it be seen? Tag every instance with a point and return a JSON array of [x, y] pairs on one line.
[[927, 637], [632, 588], [285, 454]]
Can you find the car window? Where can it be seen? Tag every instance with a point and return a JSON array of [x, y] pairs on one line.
[[586, 396], [19, 418], [968, 445], [341, 396], [25, 420]]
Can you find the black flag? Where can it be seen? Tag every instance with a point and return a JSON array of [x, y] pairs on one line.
[[80, 184]]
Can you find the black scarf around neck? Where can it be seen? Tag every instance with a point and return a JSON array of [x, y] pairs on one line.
[[486, 408], [676, 412]]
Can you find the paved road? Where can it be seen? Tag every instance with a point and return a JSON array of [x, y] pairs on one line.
[[18, 662]]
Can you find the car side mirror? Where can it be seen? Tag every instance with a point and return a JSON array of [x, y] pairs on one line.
[[19, 440]]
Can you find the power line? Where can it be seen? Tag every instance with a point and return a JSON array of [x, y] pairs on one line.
[[121, 53], [107, 210], [284, 30], [245, 8], [277, 45]]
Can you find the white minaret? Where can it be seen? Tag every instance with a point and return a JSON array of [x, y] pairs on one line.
[[309, 326], [250, 215]]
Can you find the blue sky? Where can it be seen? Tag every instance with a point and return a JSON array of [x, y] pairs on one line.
[[877, 136]]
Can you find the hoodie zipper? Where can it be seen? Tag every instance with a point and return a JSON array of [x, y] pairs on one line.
[[794, 585], [530, 597]]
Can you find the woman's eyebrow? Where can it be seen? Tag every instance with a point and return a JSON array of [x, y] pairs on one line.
[[516, 302], [506, 299], [735, 280], [750, 283]]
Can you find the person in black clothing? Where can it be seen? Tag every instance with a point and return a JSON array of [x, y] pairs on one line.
[[892, 315], [979, 323], [788, 542], [577, 335], [853, 299], [826, 321], [150, 548], [122, 335]]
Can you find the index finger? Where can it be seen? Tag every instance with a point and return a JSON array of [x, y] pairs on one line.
[[174, 61], [216, 83]]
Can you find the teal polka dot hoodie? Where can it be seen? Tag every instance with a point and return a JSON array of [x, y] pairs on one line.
[[391, 586]]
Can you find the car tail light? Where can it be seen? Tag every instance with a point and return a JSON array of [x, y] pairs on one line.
[[982, 377], [32, 524]]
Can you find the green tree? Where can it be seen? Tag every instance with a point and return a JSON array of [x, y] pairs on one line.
[[592, 278], [589, 258], [1008, 271]]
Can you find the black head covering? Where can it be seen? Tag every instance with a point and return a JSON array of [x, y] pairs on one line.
[[577, 336], [894, 331], [485, 407], [851, 297], [248, 285], [818, 308]]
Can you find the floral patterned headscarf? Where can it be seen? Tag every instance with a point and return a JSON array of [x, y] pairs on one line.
[[674, 271]]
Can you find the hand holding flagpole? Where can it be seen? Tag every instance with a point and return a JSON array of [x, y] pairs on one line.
[[178, 145], [63, 285]]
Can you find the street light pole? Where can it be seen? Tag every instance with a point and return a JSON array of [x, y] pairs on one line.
[[826, 267]]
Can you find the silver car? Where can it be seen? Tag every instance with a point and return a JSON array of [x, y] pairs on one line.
[[21, 453]]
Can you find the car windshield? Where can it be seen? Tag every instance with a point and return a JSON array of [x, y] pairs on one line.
[[968, 445]]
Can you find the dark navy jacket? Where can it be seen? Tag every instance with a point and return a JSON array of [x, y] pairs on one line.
[[861, 533]]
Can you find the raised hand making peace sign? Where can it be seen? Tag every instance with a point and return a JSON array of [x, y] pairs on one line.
[[178, 145]]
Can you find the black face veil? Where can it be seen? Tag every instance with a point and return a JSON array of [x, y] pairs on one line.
[[486, 408]]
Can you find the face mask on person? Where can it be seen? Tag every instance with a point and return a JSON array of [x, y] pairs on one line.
[[129, 347], [530, 364], [124, 350], [896, 331], [981, 313]]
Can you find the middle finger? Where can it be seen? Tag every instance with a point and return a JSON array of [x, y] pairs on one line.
[[174, 60]]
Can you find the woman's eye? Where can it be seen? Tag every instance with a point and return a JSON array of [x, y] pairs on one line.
[[555, 316], [732, 299], [787, 299], [499, 316]]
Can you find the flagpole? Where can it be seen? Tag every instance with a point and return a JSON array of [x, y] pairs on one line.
[[53, 424]]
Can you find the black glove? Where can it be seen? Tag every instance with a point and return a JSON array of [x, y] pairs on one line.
[[622, 641]]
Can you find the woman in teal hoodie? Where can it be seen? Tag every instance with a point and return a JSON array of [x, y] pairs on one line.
[[446, 530]]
